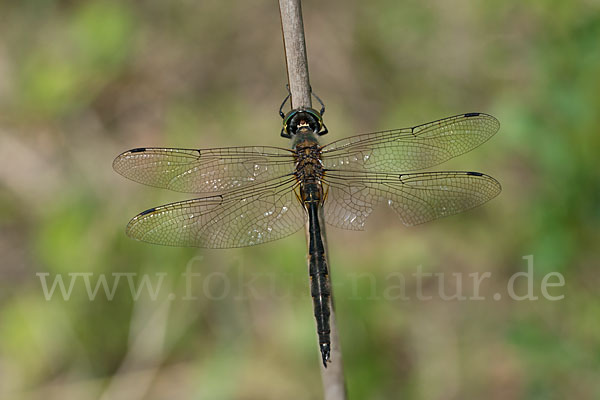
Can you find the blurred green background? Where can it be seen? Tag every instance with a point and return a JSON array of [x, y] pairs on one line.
[[82, 81]]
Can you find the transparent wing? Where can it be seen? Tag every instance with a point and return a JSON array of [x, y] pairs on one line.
[[416, 197], [251, 215], [411, 149], [204, 170]]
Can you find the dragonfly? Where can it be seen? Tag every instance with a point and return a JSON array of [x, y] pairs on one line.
[[257, 194]]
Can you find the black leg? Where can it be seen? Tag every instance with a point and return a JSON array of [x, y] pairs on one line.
[[284, 101], [320, 102]]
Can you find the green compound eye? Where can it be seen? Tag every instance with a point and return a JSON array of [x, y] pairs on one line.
[[307, 116]]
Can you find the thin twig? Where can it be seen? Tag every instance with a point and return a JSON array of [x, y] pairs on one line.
[[297, 69]]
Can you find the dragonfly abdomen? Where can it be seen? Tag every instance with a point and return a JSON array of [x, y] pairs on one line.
[[317, 265]]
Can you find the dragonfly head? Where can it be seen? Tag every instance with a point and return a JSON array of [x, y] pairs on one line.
[[303, 118]]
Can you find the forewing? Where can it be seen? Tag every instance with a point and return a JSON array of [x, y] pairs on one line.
[[255, 214], [416, 197], [411, 149], [204, 170]]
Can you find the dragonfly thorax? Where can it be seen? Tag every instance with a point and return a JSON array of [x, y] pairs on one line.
[[309, 167]]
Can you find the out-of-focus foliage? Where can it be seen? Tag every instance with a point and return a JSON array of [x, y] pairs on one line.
[[82, 81]]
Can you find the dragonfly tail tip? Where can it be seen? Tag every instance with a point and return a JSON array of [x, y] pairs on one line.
[[325, 353]]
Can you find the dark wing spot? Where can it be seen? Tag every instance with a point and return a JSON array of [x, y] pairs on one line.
[[138, 150], [148, 211], [220, 197], [472, 114], [475, 173]]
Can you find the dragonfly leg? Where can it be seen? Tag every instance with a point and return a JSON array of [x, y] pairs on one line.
[[320, 102], [281, 113], [287, 86]]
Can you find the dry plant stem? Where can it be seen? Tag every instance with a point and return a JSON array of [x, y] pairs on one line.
[[295, 52], [297, 70]]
